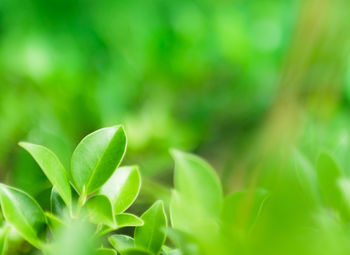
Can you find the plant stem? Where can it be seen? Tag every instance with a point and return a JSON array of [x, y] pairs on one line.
[[81, 201]]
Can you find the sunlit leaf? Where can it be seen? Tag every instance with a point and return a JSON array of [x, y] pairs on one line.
[[105, 251], [181, 216], [122, 220], [191, 218], [151, 236], [196, 202], [185, 242], [54, 222], [96, 158], [136, 251], [197, 181], [4, 240], [52, 168], [173, 252], [121, 242], [56, 203], [122, 188], [23, 213], [99, 210], [128, 220]]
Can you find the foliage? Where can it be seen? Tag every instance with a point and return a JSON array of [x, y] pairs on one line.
[[259, 88], [87, 203], [87, 216]]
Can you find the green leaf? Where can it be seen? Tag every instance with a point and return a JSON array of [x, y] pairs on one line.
[[105, 251], [191, 219], [96, 158], [197, 200], [52, 168], [122, 188], [4, 239], [122, 220], [99, 210], [128, 220], [197, 181], [151, 236], [121, 242], [181, 214], [125, 245], [185, 242], [135, 251], [54, 222], [173, 252], [166, 250], [23, 213], [56, 203]]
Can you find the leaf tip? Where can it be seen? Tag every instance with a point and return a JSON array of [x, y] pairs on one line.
[[176, 153], [24, 144], [159, 203]]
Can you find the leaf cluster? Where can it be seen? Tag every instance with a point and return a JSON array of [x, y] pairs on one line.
[[88, 202]]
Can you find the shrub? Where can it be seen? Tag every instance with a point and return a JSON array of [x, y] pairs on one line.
[[87, 203]]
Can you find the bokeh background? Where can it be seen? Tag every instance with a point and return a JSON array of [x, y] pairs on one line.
[[194, 75], [232, 81]]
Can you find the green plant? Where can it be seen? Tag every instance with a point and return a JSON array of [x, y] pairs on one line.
[[87, 203], [204, 221], [88, 207]]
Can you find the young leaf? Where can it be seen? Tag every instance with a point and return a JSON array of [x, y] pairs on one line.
[[99, 210], [105, 251], [136, 251], [3, 239], [191, 218], [173, 252], [197, 181], [122, 188], [196, 203], [128, 220], [181, 214], [56, 203], [23, 213], [122, 220], [52, 168], [96, 158], [121, 242], [125, 245], [186, 243], [151, 236], [54, 222]]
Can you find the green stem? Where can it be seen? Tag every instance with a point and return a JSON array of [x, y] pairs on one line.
[[81, 201]]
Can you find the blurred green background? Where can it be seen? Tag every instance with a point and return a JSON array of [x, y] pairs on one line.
[[228, 80], [194, 75]]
